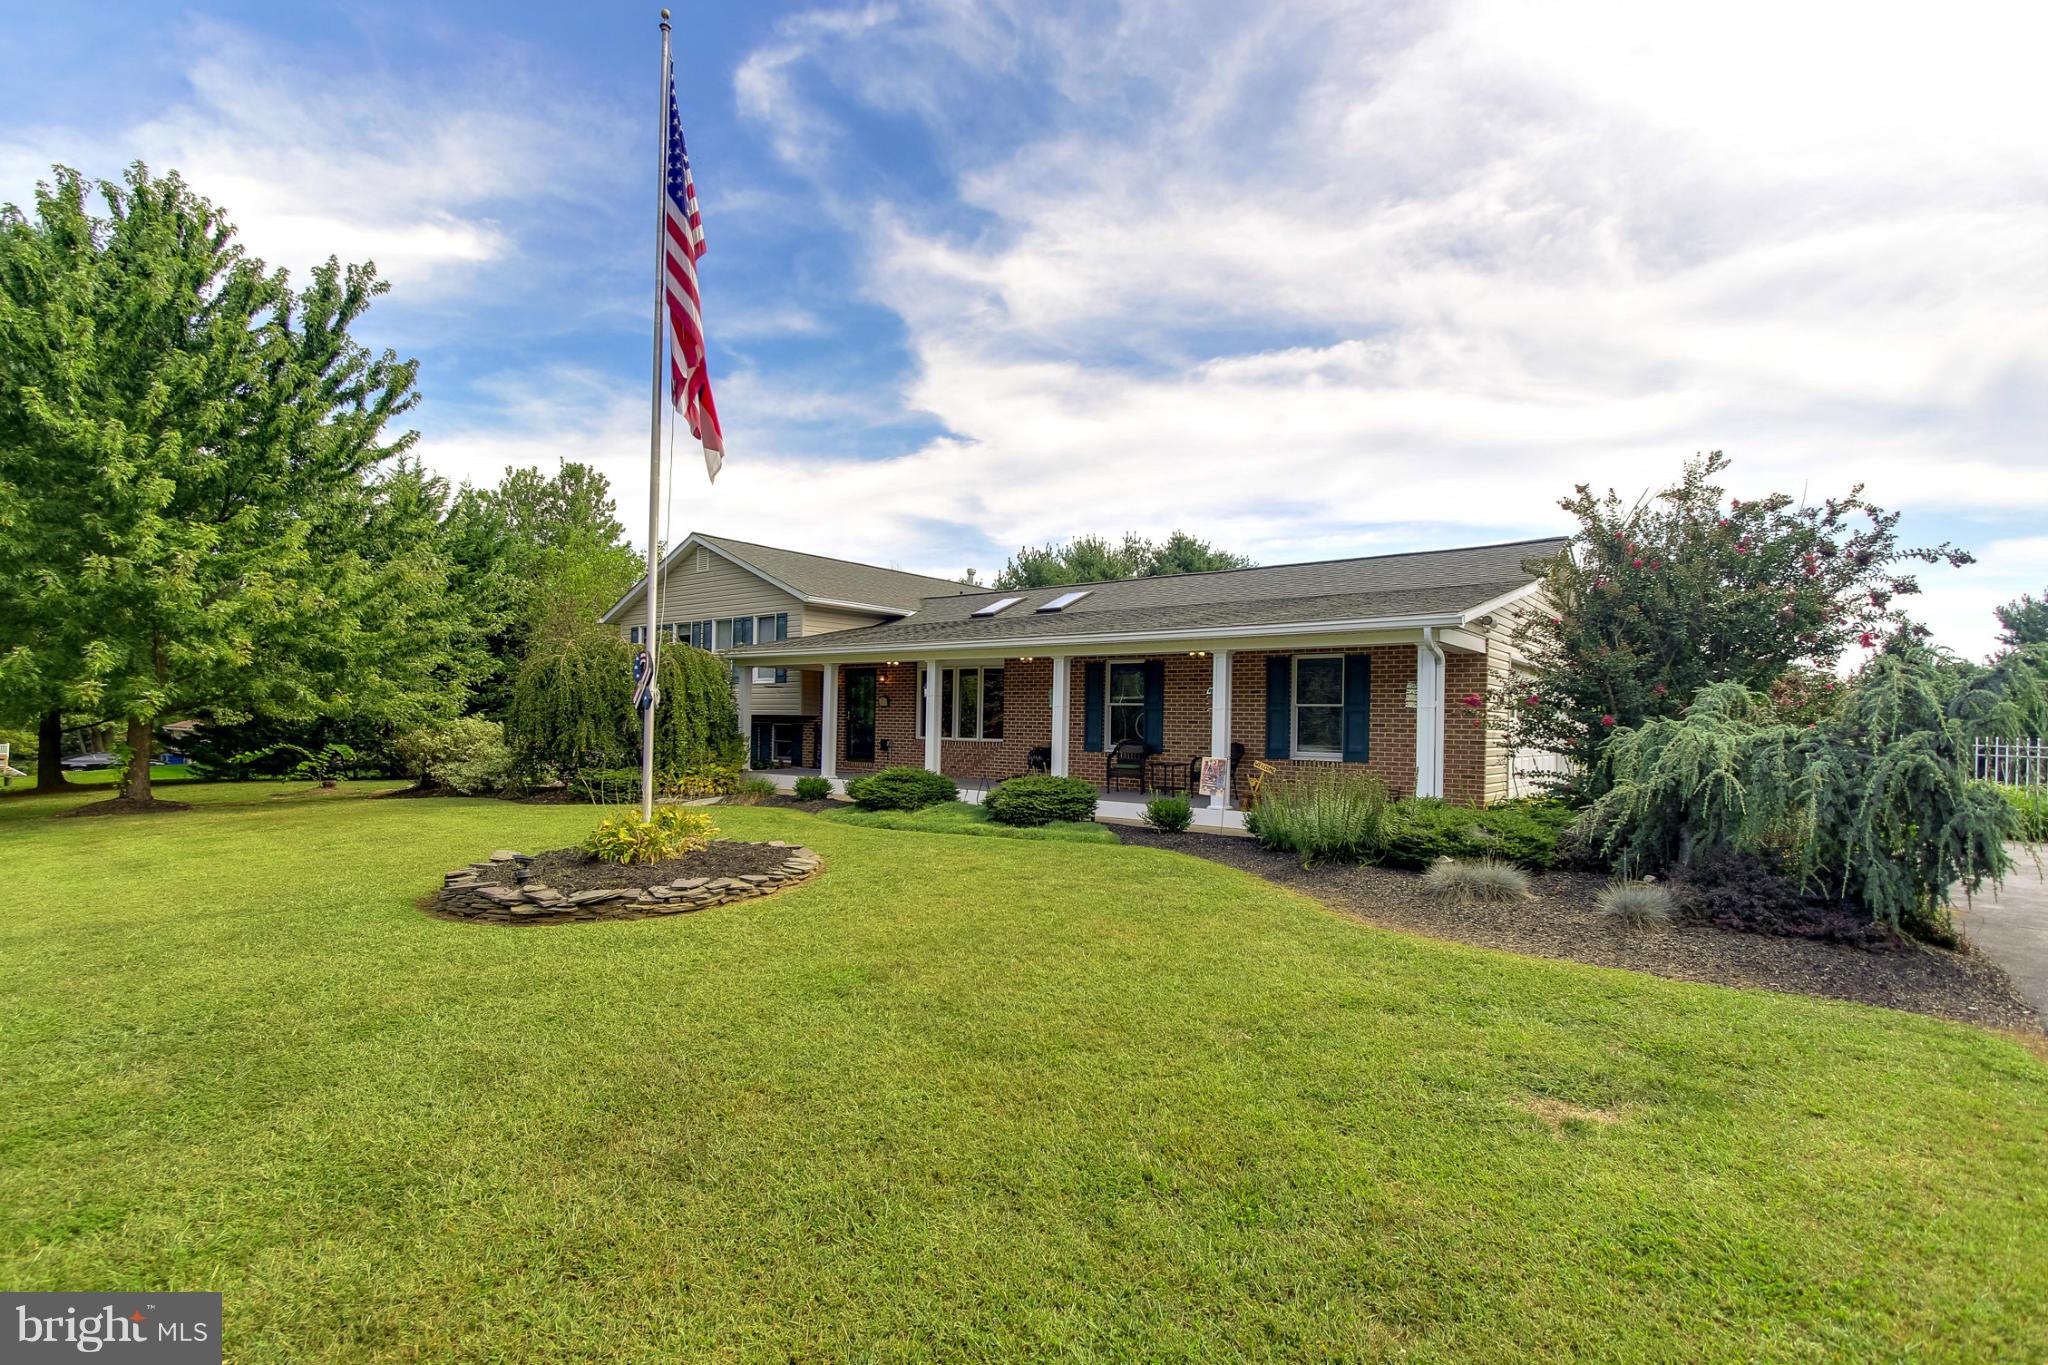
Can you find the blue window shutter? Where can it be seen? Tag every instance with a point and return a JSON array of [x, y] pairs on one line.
[[1279, 705], [1155, 705], [1091, 707], [1357, 707], [781, 625]]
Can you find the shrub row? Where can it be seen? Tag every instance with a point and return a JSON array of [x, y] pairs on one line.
[[1343, 814]]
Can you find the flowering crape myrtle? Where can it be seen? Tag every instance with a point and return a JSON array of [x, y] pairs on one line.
[[1656, 599]]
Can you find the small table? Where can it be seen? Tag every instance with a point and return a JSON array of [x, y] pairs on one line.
[[1167, 775]]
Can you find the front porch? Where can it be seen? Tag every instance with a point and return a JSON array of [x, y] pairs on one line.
[[1289, 706], [1121, 805]]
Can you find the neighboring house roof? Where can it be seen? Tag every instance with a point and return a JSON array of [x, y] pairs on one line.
[[808, 577], [1429, 585]]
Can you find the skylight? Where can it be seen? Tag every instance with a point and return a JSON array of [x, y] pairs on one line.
[[1064, 600], [998, 605]]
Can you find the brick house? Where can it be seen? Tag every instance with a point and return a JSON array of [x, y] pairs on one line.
[[1381, 662]]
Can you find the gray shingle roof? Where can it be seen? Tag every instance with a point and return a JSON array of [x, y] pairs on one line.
[[819, 578], [1429, 583], [838, 580]]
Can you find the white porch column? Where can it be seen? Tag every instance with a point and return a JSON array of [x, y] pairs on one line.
[[1062, 694], [1219, 720], [1429, 722], [828, 724], [743, 698], [932, 693]]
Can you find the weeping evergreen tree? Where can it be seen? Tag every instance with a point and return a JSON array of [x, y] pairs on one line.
[[1894, 816], [572, 704], [697, 724], [1876, 804], [1713, 780]]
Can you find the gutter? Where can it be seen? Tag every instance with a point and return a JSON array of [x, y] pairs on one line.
[[1041, 644]]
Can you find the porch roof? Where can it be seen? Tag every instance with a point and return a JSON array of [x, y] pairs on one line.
[[1445, 588]]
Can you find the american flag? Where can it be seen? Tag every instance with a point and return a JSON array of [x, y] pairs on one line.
[[683, 230]]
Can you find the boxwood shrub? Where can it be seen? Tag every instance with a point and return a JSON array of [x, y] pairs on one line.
[[1040, 801], [901, 789], [813, 788]]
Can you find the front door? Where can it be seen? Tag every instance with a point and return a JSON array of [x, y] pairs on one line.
[[860, 715]]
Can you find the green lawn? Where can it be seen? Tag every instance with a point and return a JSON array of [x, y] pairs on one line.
[[961, 817], [111, 777], [956, 1099]]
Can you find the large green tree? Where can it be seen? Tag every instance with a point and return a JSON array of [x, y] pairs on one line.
[[1094, 559], [1656, 599], [2023, 621], [523, 550], [180, 429]]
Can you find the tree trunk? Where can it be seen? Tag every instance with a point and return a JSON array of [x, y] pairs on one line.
[[141, 735], [50, 753]]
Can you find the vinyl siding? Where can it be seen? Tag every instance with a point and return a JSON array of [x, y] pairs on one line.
[[725, 589], [1499, 629]]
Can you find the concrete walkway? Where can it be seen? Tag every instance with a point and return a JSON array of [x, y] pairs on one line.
[[2011, 926]]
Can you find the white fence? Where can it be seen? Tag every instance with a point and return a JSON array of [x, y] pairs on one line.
[[1534, 772], [2013, 762]]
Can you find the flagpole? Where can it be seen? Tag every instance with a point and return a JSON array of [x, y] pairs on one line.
[[654, 444]]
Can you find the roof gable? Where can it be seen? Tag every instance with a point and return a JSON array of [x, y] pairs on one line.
[[818, 579]]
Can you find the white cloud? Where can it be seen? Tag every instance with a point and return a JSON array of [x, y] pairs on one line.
[[309, 162], [1302, 276]]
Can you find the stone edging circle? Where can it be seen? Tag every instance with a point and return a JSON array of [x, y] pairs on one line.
[[464, 896]]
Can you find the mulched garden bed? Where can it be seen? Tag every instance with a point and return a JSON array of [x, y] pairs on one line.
[[121, 805], [792, 803], [1561, 923], [571, 869]]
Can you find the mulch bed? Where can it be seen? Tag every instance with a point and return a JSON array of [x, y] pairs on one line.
[[571, 869], [1561, 923], [791, 803], [122, 805]]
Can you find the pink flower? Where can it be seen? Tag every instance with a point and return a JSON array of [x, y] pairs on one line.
[[1635, 563], [1742, 547], [1658, 689], [1722, 522], [1529, 700], [1472, 699], [1557, 620], [1607, 721], [1656, 564], [1866, 639]]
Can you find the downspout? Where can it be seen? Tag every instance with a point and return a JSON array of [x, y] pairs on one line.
[[1435, 702]]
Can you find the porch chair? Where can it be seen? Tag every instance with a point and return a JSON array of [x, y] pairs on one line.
[[1126, 763], [1039, 760]]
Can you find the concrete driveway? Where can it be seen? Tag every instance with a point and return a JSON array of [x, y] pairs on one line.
[[2010, 926]]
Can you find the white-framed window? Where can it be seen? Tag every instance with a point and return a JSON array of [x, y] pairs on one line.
[[1126, 703], [970, 703], [1319, 706], [723, 639], [635, 635]]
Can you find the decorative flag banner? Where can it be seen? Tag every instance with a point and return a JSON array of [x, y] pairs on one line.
[[683, 229], [643, 682]]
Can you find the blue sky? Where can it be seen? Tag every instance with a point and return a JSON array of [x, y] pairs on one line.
[[1310, 279]]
